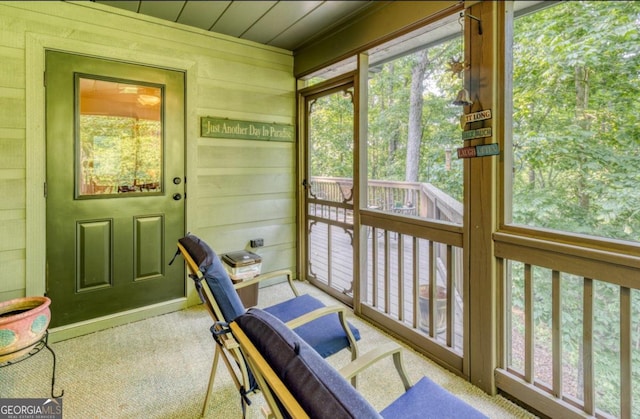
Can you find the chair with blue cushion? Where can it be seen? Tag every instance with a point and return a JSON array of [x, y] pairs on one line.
[[323, 328], [297, 383]]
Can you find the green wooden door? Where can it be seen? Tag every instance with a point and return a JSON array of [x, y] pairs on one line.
[[115, 185]]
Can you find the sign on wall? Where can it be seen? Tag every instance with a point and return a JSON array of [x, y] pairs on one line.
[[245, 130]]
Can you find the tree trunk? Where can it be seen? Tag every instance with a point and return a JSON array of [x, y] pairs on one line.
[[416, 101], [581, 80]]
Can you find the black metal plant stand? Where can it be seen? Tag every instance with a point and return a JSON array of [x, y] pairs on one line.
[[42, 343]]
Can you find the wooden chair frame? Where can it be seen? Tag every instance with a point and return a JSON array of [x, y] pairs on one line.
[[226, 346]]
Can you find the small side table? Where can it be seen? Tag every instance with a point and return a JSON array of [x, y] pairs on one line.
[[42, 343], [249, 294]]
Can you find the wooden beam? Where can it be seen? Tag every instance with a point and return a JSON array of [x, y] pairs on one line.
[[481, 176]]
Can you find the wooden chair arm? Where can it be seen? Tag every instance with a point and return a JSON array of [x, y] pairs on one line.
[[368, 359], [268, 275], [315, 314]]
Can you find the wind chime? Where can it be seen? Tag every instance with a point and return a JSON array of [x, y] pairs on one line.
[[457, 66]]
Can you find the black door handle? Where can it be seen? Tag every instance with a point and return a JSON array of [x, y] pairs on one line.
[[177, 197]]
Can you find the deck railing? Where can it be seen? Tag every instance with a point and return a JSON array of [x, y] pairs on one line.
[[423, 200], [571, 328], [408, 265]]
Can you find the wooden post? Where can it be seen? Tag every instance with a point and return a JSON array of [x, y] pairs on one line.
[[481, 300]]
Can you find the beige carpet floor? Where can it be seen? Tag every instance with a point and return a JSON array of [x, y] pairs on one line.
[[159, 368]]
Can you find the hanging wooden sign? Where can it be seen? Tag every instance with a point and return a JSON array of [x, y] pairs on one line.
[[476, 116], [476, 133], [245, 130], [487, 150], [478, 151], [466, 152]]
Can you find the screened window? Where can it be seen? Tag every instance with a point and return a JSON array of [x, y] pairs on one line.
[[576, 119], [575, 161], [413, 125]]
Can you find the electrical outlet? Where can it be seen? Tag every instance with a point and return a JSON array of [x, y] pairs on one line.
[[257, 243]]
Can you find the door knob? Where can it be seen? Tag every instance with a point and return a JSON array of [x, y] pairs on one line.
[[177, 197], [176, 180]]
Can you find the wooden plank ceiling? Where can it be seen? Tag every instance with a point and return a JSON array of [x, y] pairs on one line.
[[284, 24]]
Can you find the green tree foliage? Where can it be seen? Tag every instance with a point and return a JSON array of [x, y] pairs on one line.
[[120, 151], [331, 135], [389, 89], [389, 99], [575, 117]]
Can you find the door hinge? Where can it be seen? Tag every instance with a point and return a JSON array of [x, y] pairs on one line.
[[44, 79], [45, 189]]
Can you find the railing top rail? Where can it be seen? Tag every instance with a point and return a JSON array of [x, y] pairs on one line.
[[443, 198], [450, 209], [395, 183]]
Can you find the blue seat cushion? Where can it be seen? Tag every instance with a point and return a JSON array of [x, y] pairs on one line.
[[319, 388], [324, 334], [427, 400]]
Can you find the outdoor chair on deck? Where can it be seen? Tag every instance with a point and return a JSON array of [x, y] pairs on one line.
[[297, 383], [325, 329]]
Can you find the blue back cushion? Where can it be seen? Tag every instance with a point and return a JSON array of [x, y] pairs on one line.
[[216, 276], [319, 388], [199, 251]]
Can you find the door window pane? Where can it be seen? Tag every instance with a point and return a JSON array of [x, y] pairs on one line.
[[576, 124], [119, 149]]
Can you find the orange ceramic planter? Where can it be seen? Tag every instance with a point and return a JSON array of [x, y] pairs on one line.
[[23, 322]]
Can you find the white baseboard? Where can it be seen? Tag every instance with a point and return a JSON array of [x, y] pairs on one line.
[[58, 334]]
